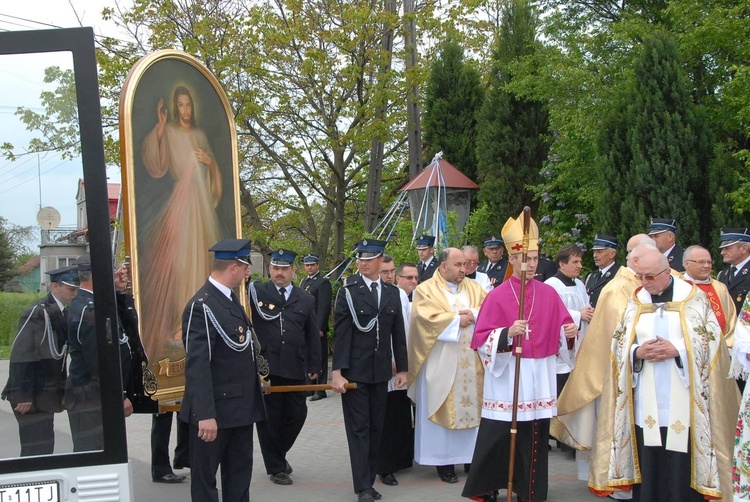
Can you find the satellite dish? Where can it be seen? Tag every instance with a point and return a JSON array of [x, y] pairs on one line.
[[48, 218]]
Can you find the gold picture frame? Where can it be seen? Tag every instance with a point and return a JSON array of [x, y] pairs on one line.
[[180, 193]]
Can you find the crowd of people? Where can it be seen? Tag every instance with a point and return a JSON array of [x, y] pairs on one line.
[[636, 370]]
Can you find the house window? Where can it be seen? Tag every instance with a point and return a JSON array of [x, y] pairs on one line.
[[65, 261]]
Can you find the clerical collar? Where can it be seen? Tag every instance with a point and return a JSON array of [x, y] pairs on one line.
[[454, 287], [666, 295], [696, 281], [227, 291], [472, 276], [568, 281]]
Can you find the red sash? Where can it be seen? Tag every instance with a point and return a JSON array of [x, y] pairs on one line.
[[715, 302]]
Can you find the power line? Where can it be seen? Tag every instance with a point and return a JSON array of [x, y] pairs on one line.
[[28, 21], [31, 179], [26, 171]]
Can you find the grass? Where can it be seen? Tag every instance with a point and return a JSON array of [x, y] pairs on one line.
[[12, 306]]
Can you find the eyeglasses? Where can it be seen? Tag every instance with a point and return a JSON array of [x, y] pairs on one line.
[[650, 277], [409, 277], [472, 262], [387, 272], [702, 262]]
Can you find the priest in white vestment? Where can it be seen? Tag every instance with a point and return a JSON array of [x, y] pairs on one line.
[[666, 422], [445, 374]]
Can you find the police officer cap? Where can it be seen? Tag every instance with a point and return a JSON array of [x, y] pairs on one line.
[[232, 249], [310, 258], [83, 262], [659, 225], [425, 241], [731, 236], [602, 241], [66, 275], [367, 249], [282, 257], [493, 241]]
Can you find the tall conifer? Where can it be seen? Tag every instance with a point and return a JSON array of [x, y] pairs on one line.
[[656, 149], [512, 139], [453, 96]]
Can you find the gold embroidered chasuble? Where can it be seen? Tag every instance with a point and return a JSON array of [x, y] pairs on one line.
[[712, 407], [575, 423], [454, 372]]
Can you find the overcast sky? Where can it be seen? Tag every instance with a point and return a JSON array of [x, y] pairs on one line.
[[21, 85]]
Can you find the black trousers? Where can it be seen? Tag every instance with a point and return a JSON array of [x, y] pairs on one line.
[[396, 450], [286, 412], [489, 465], [161, 428], [233, 451], [323, 376], [665, 475], [364, 415], [37, 433], [86, 429]]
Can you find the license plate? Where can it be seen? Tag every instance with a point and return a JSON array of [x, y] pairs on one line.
[[40, 491]]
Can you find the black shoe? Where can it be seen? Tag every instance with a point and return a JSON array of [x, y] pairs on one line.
[[375, 494], [365, 496], [181, 465], [388, 479], [447, 473], [170, 478], [281, 478], [490, 497], [288, 468], [467, 467], [318, 396]]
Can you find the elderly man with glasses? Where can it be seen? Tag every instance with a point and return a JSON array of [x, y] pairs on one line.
[[667, 409], [698, 265]]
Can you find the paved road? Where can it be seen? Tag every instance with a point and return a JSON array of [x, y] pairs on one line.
[[320, 461]]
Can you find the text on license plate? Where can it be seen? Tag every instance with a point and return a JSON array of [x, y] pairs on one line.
[[40, 491]]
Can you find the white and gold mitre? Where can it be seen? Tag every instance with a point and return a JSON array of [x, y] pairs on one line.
[[512, 233]]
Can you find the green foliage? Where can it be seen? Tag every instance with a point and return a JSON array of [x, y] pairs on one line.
[[513, 141], [14, 240], [12, 306], [453, 95], [652, 150]]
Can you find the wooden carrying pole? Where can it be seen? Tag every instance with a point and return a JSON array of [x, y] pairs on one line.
[[518, 350]]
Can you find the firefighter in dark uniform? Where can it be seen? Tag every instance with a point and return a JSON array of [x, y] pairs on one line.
[[320, 287], [37, 364], [496, 264], [82, 388], [368, 321], [427, 261], [735, 249], [284, 320], [223, 397], [605, 251], [663, 231]]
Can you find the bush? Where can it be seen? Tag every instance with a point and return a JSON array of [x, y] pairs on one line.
[[12, 306]]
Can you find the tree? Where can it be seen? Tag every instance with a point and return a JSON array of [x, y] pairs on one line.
[[653, 147], [453, 96], [14, 240], [512, 138]]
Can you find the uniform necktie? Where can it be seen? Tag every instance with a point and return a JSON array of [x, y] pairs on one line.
[[235, 299], [282, 294], [374, 288]]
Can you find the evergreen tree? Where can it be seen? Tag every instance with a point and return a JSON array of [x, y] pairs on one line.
[[654, 148], [453, 96], [512, 138]]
